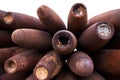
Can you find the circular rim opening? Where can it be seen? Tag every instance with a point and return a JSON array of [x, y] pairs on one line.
[[63, 40], [79, 9], [104, 30], [8, 18], [10, 66], [41, 73]]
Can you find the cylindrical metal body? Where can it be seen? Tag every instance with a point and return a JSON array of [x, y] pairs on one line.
[[64, 42], [5, 40], [50, 19], [96, 36], [77, 19], [93, 76], [81, 64], [6, 53], [32, 38], [48, 66], [111, 16], [22, 62], [107, 62], [16, 20]]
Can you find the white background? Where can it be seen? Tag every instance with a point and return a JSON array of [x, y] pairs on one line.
[[61, 7]]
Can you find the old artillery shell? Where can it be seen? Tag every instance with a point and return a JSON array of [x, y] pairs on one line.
[[15, 76], [48, 66], [6, 53], [22, 62], [81, 64], [111, 16], [16, 20], [32, 39], [107, 62], [50, 19], [77, 19], [93, 76], [64, 42], [96, 36], [5, 40]]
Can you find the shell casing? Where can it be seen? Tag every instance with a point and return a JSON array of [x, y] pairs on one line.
[[95, 36], [50, 19], [48, 66], [77, 19], [15, 20], [64, 42], [81, 64], [40, 39], [22, 62]]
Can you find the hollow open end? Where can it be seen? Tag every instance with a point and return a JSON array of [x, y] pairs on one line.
[[79, 9], [10, 66], [104, 30], [8, 18], [41, 73], [63, 40]]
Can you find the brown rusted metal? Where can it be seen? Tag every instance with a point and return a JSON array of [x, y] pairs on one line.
[[32, 39], [2, 24], [15, 76], [111, 16], [81, 64], [112, 78], [31, 77], [16, 20], [64, 42], [48, 66], [22, 62], [107, 61], [5, 40], [66, 75], [93, 76], [77, 19], [114, 43], [96, 36], [50, 19], [6, 53]]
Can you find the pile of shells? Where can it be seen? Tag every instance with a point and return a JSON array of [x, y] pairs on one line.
[[47, 49]]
